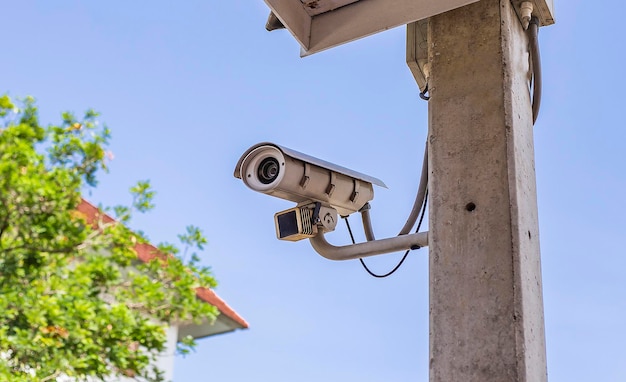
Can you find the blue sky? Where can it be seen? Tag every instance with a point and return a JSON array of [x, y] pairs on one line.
[[186, 87]]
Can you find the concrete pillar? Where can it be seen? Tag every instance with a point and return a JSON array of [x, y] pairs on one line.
[[486, 308]]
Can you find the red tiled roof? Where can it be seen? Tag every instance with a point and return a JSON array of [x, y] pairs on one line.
[[147, 251]]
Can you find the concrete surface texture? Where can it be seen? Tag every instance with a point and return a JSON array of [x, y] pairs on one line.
[[486, 309]]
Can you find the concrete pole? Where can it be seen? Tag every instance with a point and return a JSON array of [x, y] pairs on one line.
[[486, 308]]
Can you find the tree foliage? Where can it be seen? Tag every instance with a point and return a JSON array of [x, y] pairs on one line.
[[75, 302]]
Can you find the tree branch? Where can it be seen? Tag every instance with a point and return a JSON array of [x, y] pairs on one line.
[[48, 250], [52, 376], [3, 227]]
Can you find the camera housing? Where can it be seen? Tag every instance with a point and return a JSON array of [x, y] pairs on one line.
[[304, 221], [291, 175]]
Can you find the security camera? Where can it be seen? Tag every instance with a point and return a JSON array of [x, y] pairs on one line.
[[288, 174], [316, 185], [304, 221]]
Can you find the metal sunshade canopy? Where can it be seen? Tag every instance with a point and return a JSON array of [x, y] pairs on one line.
[[322, 24]]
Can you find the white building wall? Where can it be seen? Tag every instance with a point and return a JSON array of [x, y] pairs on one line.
[[166, 360]]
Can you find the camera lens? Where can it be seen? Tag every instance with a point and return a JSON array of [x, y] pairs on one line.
[[268, 170]]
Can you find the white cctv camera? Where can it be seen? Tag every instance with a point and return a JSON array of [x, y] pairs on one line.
[[320, 188]]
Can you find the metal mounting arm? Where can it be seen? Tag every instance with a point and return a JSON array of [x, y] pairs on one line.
[[370, 248]]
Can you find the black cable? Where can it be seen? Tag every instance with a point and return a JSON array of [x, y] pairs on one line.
[[349, 229], [419, 224], [424, 93], [533, 29], [388, 273]]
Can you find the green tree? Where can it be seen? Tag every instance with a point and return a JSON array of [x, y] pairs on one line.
[[74, 299]]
